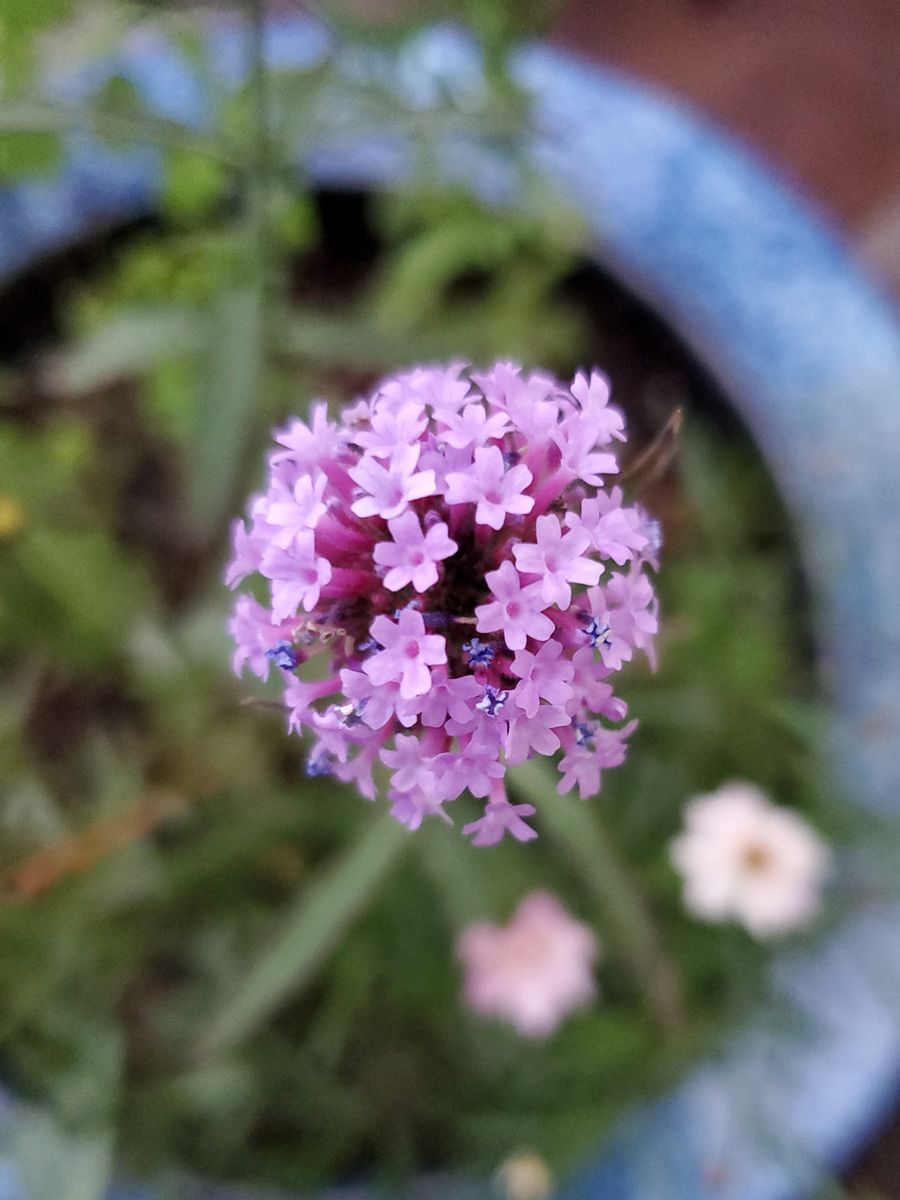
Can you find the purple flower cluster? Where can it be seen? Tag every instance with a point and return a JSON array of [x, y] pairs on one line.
[[441, 594]]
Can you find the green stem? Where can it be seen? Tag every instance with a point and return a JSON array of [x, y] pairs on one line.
[[633, 937], [259, 183], [29, 116]]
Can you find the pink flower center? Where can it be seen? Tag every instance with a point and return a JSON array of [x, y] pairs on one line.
[[411, 649], [309, 575], [493, 496], [417, 558], [514, 609]]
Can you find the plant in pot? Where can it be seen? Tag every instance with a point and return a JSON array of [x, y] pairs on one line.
[[218, 967]]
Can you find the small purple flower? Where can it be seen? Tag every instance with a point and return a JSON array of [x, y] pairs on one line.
[[558, 560], [298, 576], [391, 429], [516, 610], [253, 632], [495, 491], [247, 555], [406, 654], [387, 491], [449, 699], [296, 509], [412, 556], [546, 676], [614, 531], [583, 765], [529, 734], [501, 817], [473, 427], [411, 809], [410, 768], [444, 507]]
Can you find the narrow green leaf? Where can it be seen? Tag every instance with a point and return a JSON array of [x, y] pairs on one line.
[[128, 345], [310, 931], [230, 393]]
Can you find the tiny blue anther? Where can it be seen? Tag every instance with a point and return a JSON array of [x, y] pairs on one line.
[[317, 765], [351, 713], [369, 644], [597, 633], [584, 734], [283, 655], [510, 458], [478, 653], [493, 700]]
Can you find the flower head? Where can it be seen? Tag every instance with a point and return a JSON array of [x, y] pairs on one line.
[[744, 858], [442, 592], [533, 971]]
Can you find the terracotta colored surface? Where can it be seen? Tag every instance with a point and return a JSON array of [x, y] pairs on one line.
[[815, 84]]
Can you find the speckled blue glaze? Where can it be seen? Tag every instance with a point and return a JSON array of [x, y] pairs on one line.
[[809, 354]]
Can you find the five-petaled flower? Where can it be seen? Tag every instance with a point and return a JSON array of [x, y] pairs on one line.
[[532, 972], [406, 653], [412, 556], [744, 858]]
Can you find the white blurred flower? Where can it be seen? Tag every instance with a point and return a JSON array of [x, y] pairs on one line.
[[743, 857], [524, 1176], [532, 972]]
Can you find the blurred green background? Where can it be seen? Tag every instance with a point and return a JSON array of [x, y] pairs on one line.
[[209, 963]]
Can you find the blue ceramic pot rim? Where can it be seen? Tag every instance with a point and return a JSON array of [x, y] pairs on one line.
[[808, 353]]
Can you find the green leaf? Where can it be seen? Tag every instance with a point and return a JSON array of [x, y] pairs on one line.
[[94, 592], [421, 270], [228, 403], [128, 345], [310, 931]]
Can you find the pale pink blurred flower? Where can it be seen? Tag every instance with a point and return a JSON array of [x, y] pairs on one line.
[[533, 971], [744, 858]]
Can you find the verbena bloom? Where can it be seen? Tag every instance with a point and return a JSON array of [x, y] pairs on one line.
[[746, 859], [443, 592], [532, 972]]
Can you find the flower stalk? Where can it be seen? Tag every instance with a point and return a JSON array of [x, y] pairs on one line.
[[626, 920]]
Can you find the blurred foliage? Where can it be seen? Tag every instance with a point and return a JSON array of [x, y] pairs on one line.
[[174, 893]]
